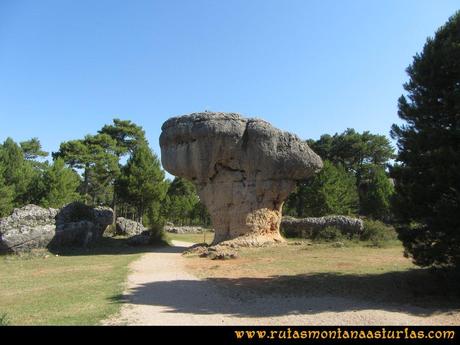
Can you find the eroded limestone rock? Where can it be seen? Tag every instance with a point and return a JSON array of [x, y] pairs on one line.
[[33, 226], [307, 227], [243, 169], [185, 229], [128, 227]]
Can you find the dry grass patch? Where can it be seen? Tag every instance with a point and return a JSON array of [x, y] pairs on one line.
[[354, 270]]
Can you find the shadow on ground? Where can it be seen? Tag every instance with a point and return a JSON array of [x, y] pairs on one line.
[[115, 246], [417, 292]]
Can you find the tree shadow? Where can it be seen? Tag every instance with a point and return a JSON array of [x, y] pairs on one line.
[[115, 246], [409, 292]]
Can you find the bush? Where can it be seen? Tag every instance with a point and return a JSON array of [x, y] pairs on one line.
[[157, 235], [328, 234], [378, 233], [156, 225]]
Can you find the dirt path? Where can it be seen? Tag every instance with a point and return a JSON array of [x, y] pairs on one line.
[[161, 292]]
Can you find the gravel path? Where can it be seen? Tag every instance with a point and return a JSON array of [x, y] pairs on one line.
[[161, 292]]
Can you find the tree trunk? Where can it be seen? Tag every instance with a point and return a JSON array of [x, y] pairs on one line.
[[114, 207]]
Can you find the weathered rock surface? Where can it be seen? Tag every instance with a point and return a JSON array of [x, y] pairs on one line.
[[128, 227], [28, 227], [243, 169], [184, 229], [35, 227], [307, 227]]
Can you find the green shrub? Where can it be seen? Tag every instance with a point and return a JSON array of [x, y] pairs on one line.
[[378, 233], [156, 232], [328, 234]]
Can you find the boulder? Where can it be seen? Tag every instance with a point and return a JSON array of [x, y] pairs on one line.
[[243, 170], [75, 234], [128, 227], [28, 227], [103, 217], [307, 227], [142, 239], [35, 227]]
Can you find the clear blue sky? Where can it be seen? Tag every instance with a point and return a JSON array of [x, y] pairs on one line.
[[307, 66]]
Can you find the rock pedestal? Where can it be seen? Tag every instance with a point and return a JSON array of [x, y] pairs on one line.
[[243, 169]]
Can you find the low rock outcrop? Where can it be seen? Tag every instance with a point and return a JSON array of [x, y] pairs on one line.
[[184, 229], [217, 252], [35, 227], [243, 169], [307, 227]]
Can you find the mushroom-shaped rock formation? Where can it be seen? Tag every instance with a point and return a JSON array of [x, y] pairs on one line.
[[243, 169]]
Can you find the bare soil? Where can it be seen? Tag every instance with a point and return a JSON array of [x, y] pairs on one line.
[[162, 291]]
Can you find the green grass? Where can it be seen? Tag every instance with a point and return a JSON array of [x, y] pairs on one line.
[[4, 321], [192, 238], [74, 288]]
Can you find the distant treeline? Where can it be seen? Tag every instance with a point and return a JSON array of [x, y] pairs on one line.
[[354, 180], [90, 170]]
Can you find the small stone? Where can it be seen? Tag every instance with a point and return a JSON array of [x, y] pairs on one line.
[[295, 243]]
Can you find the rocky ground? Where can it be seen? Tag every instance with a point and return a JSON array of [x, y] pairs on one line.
[[161, 292]]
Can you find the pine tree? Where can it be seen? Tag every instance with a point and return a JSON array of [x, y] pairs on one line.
[[331, 191], [126, 135], [17, 173], [360, 154], [142, 183], [32, 149], [427, 176], [6, 196], [60, 185], [181, 200], [376, 191], [96, 156]]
